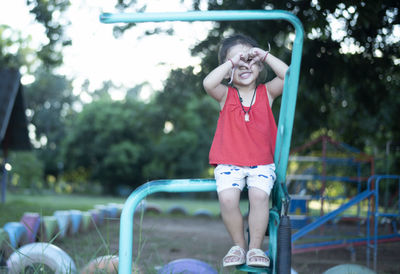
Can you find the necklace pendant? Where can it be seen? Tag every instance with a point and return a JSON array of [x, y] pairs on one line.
[[246, 117]]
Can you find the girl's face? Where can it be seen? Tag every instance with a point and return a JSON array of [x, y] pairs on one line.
[[244, 74]]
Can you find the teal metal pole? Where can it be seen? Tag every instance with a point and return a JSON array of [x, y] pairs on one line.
[[286, 118], [190, 16], [128, 211]]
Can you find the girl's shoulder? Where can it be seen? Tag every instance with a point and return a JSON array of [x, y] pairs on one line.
[[263, 88]]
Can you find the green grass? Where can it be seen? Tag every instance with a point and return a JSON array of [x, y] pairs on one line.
[[192, 205], [100, 241], [17, 204]]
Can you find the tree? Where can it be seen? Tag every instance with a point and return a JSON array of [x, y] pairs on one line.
[[14, 49], [189, 119], [50, 14], [347, 80], [49, 101], [349, 74], [112, 144], [130, 142], [27, 170]]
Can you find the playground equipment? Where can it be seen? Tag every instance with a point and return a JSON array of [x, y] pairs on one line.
[[372, 235], [326, 171], [329, 161], [279, 196], [335, 163]]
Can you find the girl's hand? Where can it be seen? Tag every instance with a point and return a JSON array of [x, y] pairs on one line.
[[239, 59], [256, 55]]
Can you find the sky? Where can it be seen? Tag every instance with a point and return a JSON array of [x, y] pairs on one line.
[[98, 56]]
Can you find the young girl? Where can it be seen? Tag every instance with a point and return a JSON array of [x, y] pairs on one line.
[[244, 142]]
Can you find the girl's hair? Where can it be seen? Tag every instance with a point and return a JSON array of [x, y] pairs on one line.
[[237, 39]]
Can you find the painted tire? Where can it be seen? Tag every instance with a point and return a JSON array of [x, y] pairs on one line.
[[104, 210], [349, 268], [49, 228], [31, 221], [5, 249], [16, 232], [43, 254], [106, 264], [97, 216], [177, 210], [204, 213], [109, 212], [76, 220], [3, 238], [118, 208], [86, 221], [190, 266], [113, 211], [153, 208], [63, 220]]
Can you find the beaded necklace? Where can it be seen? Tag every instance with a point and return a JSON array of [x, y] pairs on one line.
[[246, 113]]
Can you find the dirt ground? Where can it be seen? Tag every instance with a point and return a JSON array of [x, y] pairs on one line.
[[167, 238]]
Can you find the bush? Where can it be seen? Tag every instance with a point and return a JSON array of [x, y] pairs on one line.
[[27, 171]]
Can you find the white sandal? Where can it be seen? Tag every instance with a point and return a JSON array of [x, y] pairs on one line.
[[233, 253], [257, 253]]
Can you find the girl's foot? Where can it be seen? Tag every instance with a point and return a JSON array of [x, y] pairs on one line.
[[257, 258], [235, 256]]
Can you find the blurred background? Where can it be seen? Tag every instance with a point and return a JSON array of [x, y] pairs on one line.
[[98, 109]]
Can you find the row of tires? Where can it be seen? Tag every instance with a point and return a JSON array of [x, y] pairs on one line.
[[33, 227], [26, 242]]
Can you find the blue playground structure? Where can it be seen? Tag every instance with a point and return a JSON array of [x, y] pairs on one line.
[[372, 222], [309, 178], [279, 226], [326, 171]]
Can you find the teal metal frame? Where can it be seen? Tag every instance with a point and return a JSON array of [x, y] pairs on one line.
[[285, 126]]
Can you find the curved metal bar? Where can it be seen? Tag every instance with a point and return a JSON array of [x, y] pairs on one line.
[[190, 16], [126, 223]]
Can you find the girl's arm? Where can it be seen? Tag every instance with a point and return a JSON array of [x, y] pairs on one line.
[[213, 81], [275, 86]]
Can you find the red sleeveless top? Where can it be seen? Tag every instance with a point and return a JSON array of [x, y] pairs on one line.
[[241, 143]]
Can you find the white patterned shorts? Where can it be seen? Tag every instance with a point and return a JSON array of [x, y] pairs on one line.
[[230, 176]]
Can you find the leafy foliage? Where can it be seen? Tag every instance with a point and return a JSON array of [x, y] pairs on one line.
[[104, 138], [129, 142], [49, 100], [14, 49], [348, 84], [50, 14], [348, 81], [27, 170]]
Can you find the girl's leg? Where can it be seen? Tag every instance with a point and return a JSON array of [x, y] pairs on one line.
[[258, 217], [232, 216]]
